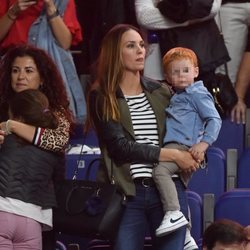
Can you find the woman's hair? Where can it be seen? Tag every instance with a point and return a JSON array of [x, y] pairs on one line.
[[53, 86], [31, 106], [179, 53], [223, 231], [110, 71]]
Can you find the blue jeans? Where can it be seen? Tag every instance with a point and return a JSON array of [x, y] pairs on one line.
[[144, 213]]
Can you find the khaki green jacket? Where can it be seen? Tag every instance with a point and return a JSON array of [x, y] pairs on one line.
[[117, 140]]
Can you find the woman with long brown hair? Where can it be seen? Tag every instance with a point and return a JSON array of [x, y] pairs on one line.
[[128, 114]]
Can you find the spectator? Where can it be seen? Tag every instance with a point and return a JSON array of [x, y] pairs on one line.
[[26, 193], [234, 21], [127, 112], [226, 234], [192, 124], [51, 25], [191, 29], [238, 113], [194, 33], [26, 67]]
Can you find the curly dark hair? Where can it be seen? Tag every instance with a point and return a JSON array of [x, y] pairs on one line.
[[53, 86]]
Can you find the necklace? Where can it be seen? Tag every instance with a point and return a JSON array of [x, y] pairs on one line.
[[132, 92]]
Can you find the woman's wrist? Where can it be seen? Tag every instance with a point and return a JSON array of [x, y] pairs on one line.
[[169, 154], [51, 11], [53, 15], [241, 99]]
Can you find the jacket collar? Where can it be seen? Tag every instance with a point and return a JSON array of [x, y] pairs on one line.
[[148, 84]]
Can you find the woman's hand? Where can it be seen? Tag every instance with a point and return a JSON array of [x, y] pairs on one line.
[[19, 6], [5, 127], [183, 159], [238, 113], [50, 6], [247, 230], [186, 162], [1, 137]]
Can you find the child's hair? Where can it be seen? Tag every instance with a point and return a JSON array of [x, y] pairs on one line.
[[224, 231], [31, 106], [179, 53]]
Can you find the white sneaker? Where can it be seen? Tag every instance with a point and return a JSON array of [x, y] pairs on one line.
[[171, 222], [190, 243]]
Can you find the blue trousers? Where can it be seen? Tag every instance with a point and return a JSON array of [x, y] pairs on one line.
[[143, 215]]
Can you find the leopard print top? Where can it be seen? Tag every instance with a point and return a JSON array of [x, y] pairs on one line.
[[53, 139]]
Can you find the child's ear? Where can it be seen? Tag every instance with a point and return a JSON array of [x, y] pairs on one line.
[[196, 71]]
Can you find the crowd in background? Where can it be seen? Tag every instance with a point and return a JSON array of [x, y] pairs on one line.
[[231, 17]]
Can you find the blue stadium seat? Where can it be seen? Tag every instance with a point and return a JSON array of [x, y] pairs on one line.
[[243, 174], [195, 206], [60, 246], [212, 179], [231, 136], [234, 205]]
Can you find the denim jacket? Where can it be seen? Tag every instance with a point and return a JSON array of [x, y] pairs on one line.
[[192, 117], [40, 35]]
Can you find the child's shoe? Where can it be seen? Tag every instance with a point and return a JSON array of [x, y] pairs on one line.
[[171, 222]]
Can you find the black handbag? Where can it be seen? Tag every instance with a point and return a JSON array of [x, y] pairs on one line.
[[88, 208], [224, 93], [182, 10], [223, 90]]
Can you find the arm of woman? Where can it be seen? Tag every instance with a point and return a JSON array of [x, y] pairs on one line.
[[50, 139], [59, 28], [6, 21], [183, 159], [122, 149], [238, 113], [8, 14]]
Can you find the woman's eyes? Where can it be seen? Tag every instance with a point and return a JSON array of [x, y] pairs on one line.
[[18, 70], [133, 45]]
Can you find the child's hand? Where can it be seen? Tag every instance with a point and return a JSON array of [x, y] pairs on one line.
[[198, 151]]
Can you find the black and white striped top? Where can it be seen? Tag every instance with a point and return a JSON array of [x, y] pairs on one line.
[[145, 130]]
